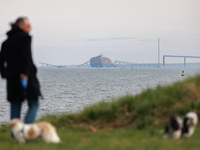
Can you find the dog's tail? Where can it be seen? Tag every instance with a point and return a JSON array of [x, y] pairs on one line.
[[55, 137], [49, 133]]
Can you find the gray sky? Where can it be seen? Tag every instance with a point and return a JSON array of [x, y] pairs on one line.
[[68, 32]]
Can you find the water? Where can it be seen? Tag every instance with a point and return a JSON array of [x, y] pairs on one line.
[[69, 90]]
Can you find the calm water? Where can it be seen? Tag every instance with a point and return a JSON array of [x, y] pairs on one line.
[[69, 90]]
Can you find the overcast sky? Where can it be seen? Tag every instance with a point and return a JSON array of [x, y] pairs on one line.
[[69, 32]]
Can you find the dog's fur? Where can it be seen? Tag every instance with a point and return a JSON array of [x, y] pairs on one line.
[[176, 127], [24, 132], [189, 123], [173, 127]]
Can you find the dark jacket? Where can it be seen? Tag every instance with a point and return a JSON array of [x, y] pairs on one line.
[[16, 59]]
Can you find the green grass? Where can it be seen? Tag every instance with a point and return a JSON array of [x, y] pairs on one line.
[[115, 139], [129, 122]]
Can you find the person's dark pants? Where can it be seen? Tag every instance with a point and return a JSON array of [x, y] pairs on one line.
[[33, 105]]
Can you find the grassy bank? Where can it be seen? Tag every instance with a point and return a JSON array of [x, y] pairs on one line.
[[151, 108], [129, 122], [116, 139]]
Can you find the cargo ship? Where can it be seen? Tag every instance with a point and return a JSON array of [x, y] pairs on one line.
[[100, 61]]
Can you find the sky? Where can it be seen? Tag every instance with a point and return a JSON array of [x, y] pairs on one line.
[[70, 32]]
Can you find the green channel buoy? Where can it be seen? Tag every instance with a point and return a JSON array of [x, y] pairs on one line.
[[182, 73]]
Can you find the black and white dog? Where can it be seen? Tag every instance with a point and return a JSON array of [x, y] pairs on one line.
[[173, 127], [189, 123], [176, 127]]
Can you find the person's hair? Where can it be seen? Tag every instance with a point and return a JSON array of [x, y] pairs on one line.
[[18, 21]]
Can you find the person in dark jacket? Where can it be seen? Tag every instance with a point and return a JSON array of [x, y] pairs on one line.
[[16, 65]]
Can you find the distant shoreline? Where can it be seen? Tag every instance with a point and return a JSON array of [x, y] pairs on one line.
[[135, 65]]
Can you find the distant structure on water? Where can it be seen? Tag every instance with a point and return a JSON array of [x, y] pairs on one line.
[[100, 61]]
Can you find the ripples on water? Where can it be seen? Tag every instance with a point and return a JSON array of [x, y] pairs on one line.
[[69, 90]]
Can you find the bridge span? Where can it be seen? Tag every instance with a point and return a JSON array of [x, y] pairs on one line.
[[179, 56], [48, 65]]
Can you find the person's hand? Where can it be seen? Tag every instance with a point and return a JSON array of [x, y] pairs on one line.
[[25, 77]]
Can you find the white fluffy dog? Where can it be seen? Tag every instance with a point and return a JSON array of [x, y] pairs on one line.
[[189, 123], [173, 127], [23, 132]]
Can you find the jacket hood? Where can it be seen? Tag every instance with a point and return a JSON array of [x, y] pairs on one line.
[[14, 30]]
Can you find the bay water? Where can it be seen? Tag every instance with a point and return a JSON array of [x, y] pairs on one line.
[[72, 89]]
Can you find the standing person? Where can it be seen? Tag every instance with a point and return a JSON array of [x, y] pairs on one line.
[[16, 64]]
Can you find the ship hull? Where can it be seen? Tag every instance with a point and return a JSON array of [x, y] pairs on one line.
[[100, 65]]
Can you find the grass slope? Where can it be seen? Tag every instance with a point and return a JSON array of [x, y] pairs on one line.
[[151, 108], [130, 122]]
